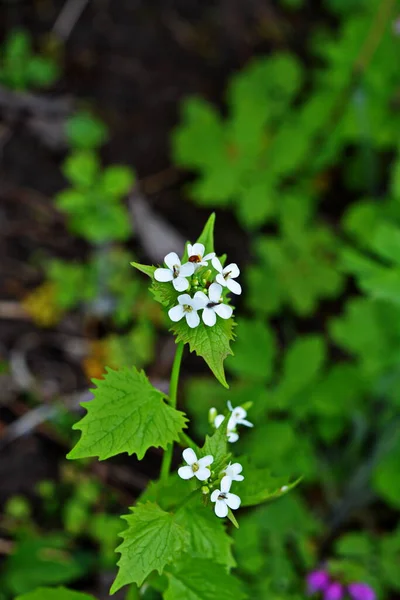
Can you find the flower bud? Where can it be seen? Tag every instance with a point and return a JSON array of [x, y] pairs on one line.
[[212, 413]]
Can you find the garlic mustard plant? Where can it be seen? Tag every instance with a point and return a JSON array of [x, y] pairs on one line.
[[173, 529]]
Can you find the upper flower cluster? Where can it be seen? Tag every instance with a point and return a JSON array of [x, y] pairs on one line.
[[195, 276], [237, 417], [320, 582], [200, 468]]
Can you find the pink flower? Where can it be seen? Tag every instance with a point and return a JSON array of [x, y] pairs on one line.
[[361, 591], [334, 591], [317, 581]]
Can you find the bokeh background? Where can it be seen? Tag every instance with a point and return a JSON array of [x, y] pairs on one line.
[[122, 126]]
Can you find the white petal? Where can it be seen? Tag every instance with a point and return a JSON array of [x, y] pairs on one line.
[[203, 474], [239, 413], [189, 456], [216, 263], [221, 509], [189, 249], [232, 422], [192, 319], [205, 461], [224, 311], [176, 313], [232, 437], [209, 256], [234, 287], [214, 292], [186, 270], [221, 280], [245, 423], [184, 299], [239, 477], [236, 468], [229, 405], [180, 284], [233, 501], [172, 260], [185, 472], [218, 420], [197, 250], [225, 484], [199, 301], [232, 270], [209, 317], [163, 275], [215, 495]]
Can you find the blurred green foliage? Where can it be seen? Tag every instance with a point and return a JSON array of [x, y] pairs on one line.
[[20, 68]]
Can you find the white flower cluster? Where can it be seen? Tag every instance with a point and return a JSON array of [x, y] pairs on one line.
[[238, 417], [200, 468], [209, 299]]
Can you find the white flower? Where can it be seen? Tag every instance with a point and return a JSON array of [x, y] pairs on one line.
[[224, 499], [238, 417], [187, 308], [227, 275], [233, 436], [176, 272], [196, 255], [213, 305], [195, 468], [233, 472]]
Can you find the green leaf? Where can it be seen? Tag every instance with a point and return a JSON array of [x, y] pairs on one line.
[[207, 535], [81, 168], [211, 343], [202, 579], [117, 180], [127, 415], [58, 593], [152, 540], [42, 561], [217, 445], [386, 479], [259, 485], [42, 71], [85, 131], [302, 364], [146, 269], [255, 351], [207, 235]]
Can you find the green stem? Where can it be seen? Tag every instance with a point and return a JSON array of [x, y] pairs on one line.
[[173, 391]]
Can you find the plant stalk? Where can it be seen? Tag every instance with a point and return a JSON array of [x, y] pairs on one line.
[[173, 392]]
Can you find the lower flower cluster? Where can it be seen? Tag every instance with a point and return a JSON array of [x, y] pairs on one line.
[[320, 582], [219, 484]]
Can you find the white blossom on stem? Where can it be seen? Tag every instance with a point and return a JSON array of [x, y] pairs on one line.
[[195, 467], [187, 307], [227, 275], [232, 434], [176, 272], [213, 305], [233, 472], [238, 417], [197, 257], [224, 499]]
